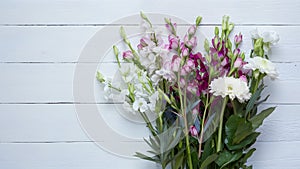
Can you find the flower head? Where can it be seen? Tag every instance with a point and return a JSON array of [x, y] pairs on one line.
[[238, 38], [268, 37], [263, 65], [140, 104], [232, 87]]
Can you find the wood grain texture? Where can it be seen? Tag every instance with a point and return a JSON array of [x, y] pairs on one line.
[[59, 123], [35, 83], [41, 40], [65, 43], [105, 11]]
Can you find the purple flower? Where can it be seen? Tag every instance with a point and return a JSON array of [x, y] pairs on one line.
[[193, 131], [238, 39], [238, 62], [173, 42], [192, 30], [127, 55], [236, 52]]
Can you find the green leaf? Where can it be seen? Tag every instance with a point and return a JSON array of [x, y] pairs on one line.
[[226, 158], [247, 141], [142, 156], [247, 155], [253, 99], [259, 118], [209, 160], [178, 160], [237, 129], [176, 157], [213, 118]]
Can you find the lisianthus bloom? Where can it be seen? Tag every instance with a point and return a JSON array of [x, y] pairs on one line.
[[268, 37], [232, 87], [263, 65]]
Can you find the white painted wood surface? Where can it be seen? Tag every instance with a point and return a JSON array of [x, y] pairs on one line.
[[41, 40]]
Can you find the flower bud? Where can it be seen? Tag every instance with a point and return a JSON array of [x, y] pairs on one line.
[[225, 61], [216, 31], [236, 52], [193, 131], [100, 77], [230, 27], [192, 30], [127, 55], [206, 45], [215, 42], [184, 52], [258, 47], [238, 39], [198, 20]]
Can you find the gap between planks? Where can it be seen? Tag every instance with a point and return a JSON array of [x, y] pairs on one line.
[[98, 24]]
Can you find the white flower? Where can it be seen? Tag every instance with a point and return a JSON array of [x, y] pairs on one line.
[[263, 65], [254, 34], [107, 89], [268, 37], [127, 107], [121, 96], [140, 104], [155, 79], [128, 72], [232, 87], [153, 99]]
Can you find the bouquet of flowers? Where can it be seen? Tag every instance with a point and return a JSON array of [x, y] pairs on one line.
[[205, 102]]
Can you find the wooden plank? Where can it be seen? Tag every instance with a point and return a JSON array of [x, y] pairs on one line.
[[103, 12], [64, 44], [48, 83], [64, 156], [275, 155], [87, 155], [59, 123]]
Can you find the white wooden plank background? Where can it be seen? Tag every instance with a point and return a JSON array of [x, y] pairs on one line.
[[41, 40]]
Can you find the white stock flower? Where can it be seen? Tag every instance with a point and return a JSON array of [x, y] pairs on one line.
[[121, 96], [140, 104], [155, 79], [153, 99], [263, 65], [128, 72], [232, 87], [127, 107]]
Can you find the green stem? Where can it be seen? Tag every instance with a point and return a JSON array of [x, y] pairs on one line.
[[221, 125], [234, 107], [149, 125], [183, 112], [201, 133], [188, 151]]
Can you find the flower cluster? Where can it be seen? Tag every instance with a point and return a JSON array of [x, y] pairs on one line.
[[194, 94]]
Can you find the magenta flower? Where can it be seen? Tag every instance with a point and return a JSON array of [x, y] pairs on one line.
[[193, 131], [173, 42], [238, 39], [244, 78], [127, 55], [192, 30], [238, 62]]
